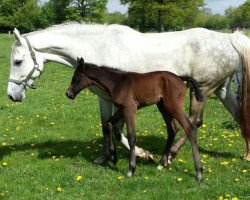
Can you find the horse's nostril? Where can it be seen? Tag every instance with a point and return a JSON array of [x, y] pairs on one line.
[[11, 98]]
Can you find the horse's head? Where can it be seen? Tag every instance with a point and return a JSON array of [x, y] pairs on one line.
[[25, 66], [79, 80]]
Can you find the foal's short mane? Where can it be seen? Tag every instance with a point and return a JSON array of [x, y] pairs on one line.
[[107, 69]]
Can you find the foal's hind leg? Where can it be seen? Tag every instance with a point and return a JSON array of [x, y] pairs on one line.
[[178, 113], [196, 111], [171, 131]]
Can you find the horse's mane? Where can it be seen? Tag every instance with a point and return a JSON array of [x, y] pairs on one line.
[[81, 27]]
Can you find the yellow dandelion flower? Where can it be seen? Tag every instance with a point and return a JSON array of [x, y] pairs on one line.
[[120, 177], [204, 162], [234, 160], [185, 170], [236, 179], [179, 179], [228, 195], [221, 198], [181, 161], [4, 143], [145, 177], [59, 189], [209, 170], [204, 126], [244, 171], [78, 178], [224, 163], [4, 164], [205, 156], [235, 198]]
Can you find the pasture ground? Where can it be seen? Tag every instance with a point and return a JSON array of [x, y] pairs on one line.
[[48, 143]]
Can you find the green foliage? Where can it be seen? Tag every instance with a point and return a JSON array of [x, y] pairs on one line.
[[47, 141], [22, 14], [239, 16], [28, 16], [114, 18], [210, 21], [161, 14]]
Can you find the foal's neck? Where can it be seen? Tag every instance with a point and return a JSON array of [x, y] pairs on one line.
[[103, 77]]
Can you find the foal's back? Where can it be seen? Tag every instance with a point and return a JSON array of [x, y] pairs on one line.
[[149, 88]]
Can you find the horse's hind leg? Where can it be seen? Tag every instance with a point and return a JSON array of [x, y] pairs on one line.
[[171, 131], [196, 117]]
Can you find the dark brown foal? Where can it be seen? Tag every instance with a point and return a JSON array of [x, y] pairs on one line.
[[131, 91]]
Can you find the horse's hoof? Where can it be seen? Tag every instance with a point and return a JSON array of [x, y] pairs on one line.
[[159, 167], [102, 159], [247, 158], [113, 159], [129, 174], [151, 158], [199, 177]]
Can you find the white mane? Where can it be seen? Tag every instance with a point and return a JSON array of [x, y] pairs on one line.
[[82, 28]]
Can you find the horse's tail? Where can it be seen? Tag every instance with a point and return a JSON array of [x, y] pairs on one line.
[[242, 45], [196, 86]]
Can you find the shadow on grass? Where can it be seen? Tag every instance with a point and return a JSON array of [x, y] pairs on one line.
[[89, 150]]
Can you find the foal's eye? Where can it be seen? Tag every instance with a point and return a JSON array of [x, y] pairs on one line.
[[17, 62]]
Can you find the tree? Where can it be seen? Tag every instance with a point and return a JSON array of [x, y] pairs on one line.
[[114, 18], [239, 16], [88, 10], [23, 14], [58, 11], [161, 14]]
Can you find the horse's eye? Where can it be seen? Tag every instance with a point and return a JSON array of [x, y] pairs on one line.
[[17, 62]]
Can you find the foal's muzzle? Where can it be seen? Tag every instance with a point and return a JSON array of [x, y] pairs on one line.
[[70, 95]]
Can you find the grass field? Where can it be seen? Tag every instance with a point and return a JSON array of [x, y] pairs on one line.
[[48, 143]]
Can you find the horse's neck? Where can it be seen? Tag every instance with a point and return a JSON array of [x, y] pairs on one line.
[[63, 47], [102, 78]]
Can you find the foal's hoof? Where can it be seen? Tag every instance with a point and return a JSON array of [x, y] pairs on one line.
[[102, 159]]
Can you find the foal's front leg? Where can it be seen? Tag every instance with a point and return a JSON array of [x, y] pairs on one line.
[[129, 116]]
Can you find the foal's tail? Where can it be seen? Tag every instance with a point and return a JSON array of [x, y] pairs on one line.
[[196, 86]]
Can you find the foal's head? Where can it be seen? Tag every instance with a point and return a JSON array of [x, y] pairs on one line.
[[79, 80]]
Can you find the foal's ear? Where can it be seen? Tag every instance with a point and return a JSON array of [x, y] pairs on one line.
[[17, 36], [81, 64]]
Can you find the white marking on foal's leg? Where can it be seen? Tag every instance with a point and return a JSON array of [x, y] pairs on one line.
[[138, 151]]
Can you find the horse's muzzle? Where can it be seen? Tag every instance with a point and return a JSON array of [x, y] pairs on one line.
[[70, 95]]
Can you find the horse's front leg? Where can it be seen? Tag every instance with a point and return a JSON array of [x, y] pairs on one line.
[[106, 108], [106, 112]]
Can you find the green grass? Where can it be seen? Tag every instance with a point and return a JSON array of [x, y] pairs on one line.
[[48, 140]]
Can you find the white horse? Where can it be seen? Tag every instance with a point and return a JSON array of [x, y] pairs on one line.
[[209, 57]]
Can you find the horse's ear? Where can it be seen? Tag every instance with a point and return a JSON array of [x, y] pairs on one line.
[[17, 35]]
